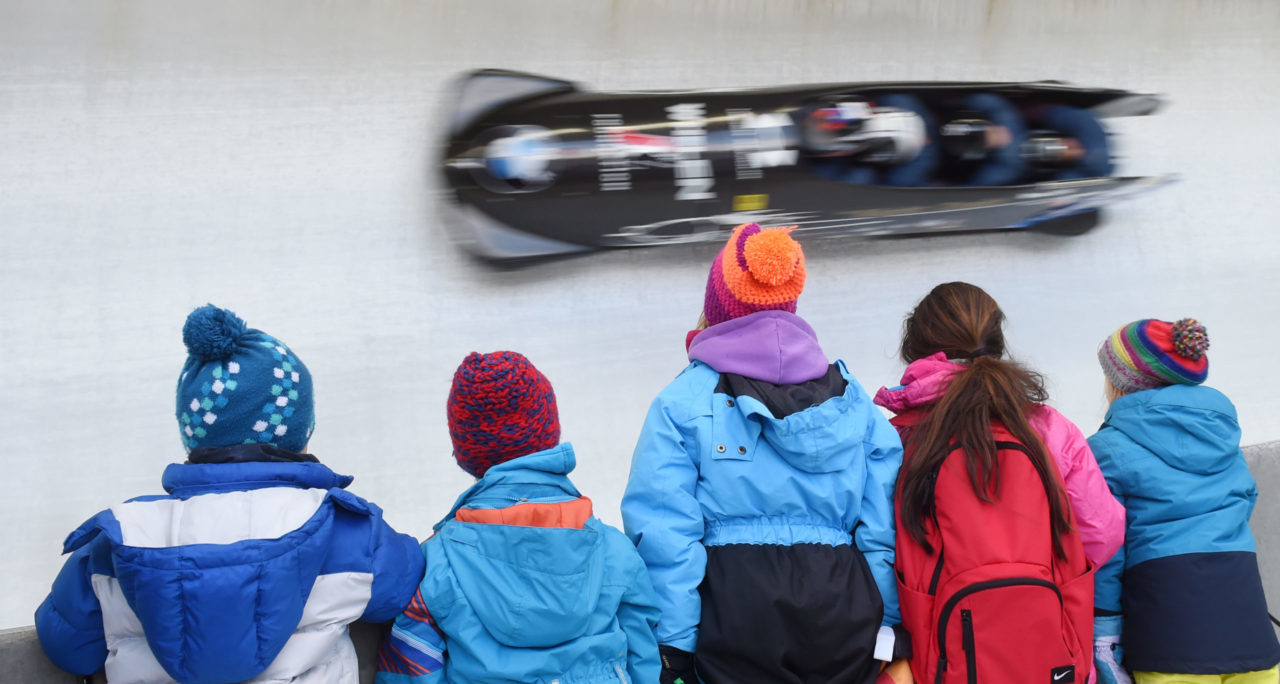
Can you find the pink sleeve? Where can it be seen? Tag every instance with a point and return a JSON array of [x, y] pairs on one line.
[[1099, 515]]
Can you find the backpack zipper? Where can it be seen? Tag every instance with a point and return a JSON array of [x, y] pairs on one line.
[[970, 650], [937, 573], [945, 615]]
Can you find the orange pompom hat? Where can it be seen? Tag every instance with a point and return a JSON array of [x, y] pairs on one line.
[[757, 270]]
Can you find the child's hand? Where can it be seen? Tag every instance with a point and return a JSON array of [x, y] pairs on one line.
[[677, 666], [897, 672]]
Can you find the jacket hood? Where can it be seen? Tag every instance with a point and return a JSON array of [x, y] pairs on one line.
[[1192, 428], [533, 583], [531, 586], [218, 580], [923, 382], [822, 438], [774, 346]]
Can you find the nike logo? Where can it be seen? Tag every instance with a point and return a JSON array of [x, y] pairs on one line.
[[1060, 675]]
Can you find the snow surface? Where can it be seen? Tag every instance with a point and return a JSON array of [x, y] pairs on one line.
[[276, 159]]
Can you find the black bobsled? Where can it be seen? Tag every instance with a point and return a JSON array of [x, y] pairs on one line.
[[535, 166]]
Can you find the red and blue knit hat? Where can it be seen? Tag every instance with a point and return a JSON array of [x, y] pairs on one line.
[[500, 408], [1151, 353], [757, 270]]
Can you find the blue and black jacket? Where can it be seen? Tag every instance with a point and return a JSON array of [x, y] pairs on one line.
[[1186, 580], [761, 499]]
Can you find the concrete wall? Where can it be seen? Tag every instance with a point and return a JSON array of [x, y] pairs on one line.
[[275, 158]]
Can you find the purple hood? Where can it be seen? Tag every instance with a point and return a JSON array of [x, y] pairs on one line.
[[774, 346]]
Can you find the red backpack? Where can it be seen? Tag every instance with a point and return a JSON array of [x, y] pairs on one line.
[[992, 604]]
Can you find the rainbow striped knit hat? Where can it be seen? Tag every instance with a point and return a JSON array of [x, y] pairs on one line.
[[757, 270], [1151, 353]]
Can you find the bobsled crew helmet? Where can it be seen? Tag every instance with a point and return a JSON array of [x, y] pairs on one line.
[[965, 138], [1151, 353], [757, 270], [241, 386], [500, 407]]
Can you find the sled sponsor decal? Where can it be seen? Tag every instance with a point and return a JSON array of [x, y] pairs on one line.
[[694, 180], [516, 159], [759, 142], [750, 202], [614, 162]]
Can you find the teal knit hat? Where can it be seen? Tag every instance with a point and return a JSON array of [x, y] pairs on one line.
[[241, 386]]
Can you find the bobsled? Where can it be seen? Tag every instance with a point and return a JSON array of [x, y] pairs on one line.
[[536, 166]]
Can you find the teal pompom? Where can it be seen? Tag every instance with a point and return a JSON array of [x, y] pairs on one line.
[[212, 334]]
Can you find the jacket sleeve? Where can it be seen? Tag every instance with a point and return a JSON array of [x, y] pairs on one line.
[[874, 535], [398, 564], [1099, 516], [1108, 581], [413, 650], [638, 615], [69, 621], [663, 519]]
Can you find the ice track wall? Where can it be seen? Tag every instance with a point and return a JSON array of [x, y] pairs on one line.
[[276, 159]]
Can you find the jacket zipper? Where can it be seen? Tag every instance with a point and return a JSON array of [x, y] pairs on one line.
[[974, 588], [622, 676], [970, 651]]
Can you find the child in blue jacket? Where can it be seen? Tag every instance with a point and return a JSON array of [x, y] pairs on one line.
[[761, 493], [253, 564], [522, 584], [1183, 597]]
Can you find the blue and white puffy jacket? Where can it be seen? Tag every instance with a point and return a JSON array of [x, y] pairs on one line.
[[250, 569], [713, 468], [1186, 579]]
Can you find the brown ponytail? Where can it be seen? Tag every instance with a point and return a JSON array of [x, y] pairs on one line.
[[966, 323]]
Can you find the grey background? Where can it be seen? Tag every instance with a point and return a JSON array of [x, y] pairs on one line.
[[276, 158]]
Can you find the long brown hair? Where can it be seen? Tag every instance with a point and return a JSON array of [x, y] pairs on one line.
[[964, 322]]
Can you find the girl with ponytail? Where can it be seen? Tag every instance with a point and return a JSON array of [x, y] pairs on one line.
[[993, 481]]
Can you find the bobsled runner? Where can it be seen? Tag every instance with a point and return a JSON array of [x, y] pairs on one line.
[[536, 166]]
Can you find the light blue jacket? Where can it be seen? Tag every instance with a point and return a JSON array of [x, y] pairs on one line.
[[544, 601], [823, 475]]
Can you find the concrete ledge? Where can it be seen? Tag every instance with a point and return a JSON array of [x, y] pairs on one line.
[[1264, 463], [21, 659]]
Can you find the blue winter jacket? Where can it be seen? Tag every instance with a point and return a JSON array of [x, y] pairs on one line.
[[1186, 580], [712, 467], [523, 584], [246, 570]]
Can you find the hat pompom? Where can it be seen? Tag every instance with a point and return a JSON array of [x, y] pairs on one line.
[[212, 334], [771, 256], [1190, 339]]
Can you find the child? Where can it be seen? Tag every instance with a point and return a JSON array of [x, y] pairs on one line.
[[254, 563], [1184, 592], [523, 584], [999, 492], [761, 492]]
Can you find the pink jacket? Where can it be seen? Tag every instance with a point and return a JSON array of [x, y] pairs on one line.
[[1099, 516]]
